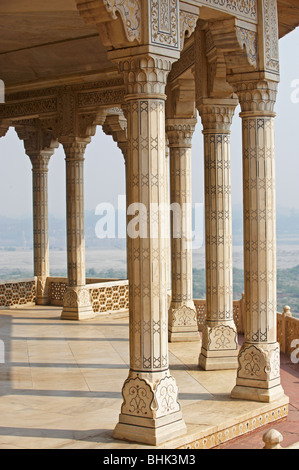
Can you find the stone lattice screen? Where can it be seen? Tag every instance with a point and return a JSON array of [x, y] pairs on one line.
[[200, 305], [109, 296], [106, 295], [287, 330], [17, 292]]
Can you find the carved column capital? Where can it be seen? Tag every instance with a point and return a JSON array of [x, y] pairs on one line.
[[144, 74], [258, 96], [40, 160], [217, 114], [180, 132], [39, 143], [74, 147]]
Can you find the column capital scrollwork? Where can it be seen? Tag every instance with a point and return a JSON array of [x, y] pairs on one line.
[[40, 160], [74, 147], [180, 132], [258, 96], [144, 74], [39, 143], [216, 114]]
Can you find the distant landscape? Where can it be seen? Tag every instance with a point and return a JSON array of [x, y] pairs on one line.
[[106, 258]]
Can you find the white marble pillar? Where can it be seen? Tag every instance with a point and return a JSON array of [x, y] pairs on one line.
[[182, 320], [258, 376], [40, 161], [150, 412], [76, 304], [219, 337]]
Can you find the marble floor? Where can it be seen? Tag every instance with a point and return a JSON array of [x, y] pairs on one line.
[[60, 386]]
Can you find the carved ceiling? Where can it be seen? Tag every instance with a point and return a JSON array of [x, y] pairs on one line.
[[49, 43]]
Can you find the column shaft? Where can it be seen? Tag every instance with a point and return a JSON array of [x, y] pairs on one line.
[[150, 412], [258, 375], [40, 223], [77, 303], [219, 339], [182, 325]]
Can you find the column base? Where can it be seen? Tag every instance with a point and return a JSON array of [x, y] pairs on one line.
[[219, 347], [77, 304], [222, 360], [266, 395], [258, 377], [150, 431], [183, 336], [150, 413], [42, 301], [182, 325], [42, 297]]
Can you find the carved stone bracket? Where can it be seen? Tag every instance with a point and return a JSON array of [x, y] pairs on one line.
[[119, 22], [238, 43], [37, 140], [116, 125]]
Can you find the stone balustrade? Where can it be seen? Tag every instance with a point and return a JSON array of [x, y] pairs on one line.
[[17, 292], [112, 295], [106, 295]]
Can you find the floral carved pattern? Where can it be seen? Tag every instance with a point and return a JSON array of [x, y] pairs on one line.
[[130, 12], [166, 395], [165, 23], [246, 8], [138, 397]]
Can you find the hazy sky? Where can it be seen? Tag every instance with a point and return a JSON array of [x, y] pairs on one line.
[[104, 165]]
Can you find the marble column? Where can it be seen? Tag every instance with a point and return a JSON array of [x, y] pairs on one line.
[[40, 161], [182, 320], [76, 304], [150, 412], [219, 336], [258, 376]]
